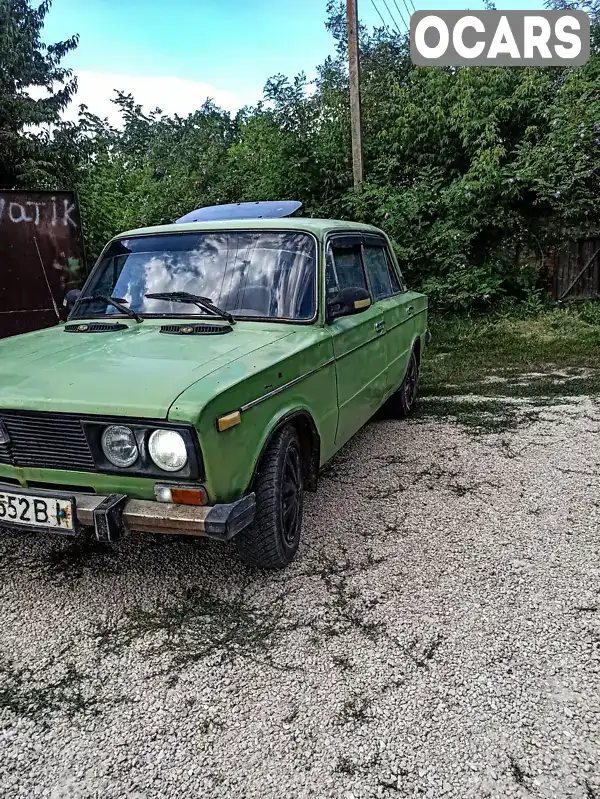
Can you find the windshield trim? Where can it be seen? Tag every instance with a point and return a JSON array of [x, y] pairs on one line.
[[279, 319]]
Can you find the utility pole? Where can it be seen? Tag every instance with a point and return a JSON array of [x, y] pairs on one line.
[[355, 112]]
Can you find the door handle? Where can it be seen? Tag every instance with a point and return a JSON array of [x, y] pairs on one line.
[[379, 326], [410, 310]]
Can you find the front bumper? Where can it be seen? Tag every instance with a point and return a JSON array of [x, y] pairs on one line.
[[113, 515]]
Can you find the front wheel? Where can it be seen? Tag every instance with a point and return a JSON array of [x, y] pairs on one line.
[[272, 541], [404, 399]]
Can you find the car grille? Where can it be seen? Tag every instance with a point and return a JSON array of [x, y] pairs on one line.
[[196, 329], [96, 327], [45, 440]]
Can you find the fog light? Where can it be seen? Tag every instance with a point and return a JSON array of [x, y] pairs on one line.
[[163, 493], [181, 495]]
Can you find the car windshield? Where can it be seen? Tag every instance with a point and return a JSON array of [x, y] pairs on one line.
[[248, 273]]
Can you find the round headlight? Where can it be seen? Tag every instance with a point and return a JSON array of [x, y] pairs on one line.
[[119, 446], [167, 450]]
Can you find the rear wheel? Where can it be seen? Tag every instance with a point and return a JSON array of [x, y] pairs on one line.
[[403, 401], [273, 539]]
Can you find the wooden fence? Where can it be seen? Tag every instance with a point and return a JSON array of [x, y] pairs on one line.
[[575, 270]]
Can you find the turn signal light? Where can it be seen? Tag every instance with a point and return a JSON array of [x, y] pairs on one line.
[[231, 420]]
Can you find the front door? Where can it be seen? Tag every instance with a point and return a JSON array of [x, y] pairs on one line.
[[395, 304], [358, 342]]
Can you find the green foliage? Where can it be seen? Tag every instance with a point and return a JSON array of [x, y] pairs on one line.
[[28, 158], [473, 172], [465, 289], [466, 349]]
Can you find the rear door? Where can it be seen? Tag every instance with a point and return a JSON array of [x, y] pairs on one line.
[[359, 350], [395, 304]]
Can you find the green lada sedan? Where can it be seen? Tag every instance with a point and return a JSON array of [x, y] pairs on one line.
[[205, 373]]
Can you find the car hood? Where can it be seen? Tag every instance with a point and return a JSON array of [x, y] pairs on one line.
[[138, 371]]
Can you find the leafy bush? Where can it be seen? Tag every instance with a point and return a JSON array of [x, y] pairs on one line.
[[466, 289], [468, 170]]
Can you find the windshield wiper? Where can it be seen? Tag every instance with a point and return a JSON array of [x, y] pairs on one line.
[[116, 303], [193, 299]]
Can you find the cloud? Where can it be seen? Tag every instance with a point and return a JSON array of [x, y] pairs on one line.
[[172, 95]]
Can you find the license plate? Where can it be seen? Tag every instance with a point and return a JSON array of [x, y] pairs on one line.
[[28, 510]]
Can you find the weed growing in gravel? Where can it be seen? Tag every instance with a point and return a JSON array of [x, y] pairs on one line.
[[202, 625], [84, 553], [346, 765], [392, 785], [422, 654], [292, 715], [343, 661], [347, 611], [66, 560], [23, 694], [479, 416], [351, 766], [517, 772], [355, 709]]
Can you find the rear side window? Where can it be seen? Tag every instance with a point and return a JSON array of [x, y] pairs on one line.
[[382, 276], [344, 269]]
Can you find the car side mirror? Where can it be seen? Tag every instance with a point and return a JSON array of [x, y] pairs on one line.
[[70, 299], [348, 301]]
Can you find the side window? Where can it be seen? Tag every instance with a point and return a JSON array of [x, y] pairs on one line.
[[343, 269], [383, 278], [396, 287]]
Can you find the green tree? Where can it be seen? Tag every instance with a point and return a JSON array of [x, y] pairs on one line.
[[473, 172], [31, 154], [153, 169]]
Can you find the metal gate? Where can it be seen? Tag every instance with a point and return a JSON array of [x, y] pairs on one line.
[[41, 257]]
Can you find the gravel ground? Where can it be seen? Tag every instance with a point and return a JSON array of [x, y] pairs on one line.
[[438, 635]]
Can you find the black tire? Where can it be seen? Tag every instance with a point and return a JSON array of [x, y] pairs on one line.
[[402, 402], [272, 541]]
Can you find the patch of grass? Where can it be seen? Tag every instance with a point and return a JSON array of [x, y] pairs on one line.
[[519, 775], [292, 715], [66, 561], [355, 709], [82, 555], [343, 662], [464, 350], [481, 416], [347, 611], [201, 625], [391, 784], [346, 766], [422, 654], [25, 695]]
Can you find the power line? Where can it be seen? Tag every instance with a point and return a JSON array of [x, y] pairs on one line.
[[384, 23], [408, 11], [394, 23], [401, 14]]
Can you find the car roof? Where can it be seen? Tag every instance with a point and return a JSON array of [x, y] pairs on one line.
[[316, 226]]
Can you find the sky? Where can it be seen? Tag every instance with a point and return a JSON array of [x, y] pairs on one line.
[[174, 54]]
